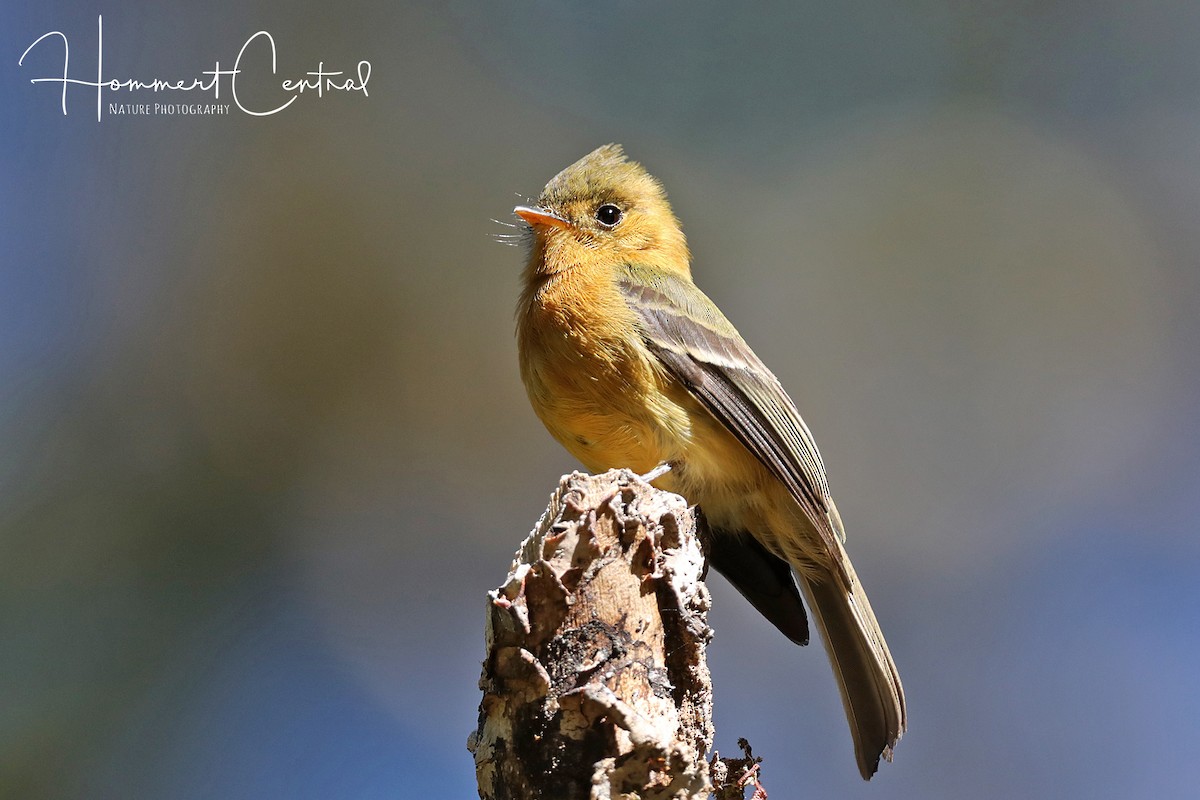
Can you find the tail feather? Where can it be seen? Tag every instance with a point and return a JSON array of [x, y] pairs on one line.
[[870, 685]]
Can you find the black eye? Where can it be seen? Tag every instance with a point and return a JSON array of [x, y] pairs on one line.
[[608, 215]]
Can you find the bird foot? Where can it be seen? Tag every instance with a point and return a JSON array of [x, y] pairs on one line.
[[657, 472]]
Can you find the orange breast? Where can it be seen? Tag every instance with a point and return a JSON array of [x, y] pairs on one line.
[[606, 398], [590, 378]]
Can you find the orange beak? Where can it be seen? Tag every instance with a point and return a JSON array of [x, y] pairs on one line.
[[540, 217]]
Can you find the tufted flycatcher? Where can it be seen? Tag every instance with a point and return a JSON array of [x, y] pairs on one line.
[[628, 364]]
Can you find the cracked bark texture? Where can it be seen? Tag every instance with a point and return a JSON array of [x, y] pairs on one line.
[[595, 683]]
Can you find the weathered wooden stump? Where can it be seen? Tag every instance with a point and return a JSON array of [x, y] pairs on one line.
[[595, 684]]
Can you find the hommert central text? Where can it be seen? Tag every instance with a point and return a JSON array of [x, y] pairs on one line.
[[251, 57]]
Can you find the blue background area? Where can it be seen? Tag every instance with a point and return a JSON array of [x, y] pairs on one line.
[[263, 447]]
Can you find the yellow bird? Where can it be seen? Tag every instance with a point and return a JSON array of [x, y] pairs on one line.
[[628, 364]]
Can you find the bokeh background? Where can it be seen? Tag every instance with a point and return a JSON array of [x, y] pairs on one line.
[[263, 447]]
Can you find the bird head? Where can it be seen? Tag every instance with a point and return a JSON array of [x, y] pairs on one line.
[[604, 208]]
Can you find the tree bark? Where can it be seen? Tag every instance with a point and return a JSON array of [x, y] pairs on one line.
[[595, 684]]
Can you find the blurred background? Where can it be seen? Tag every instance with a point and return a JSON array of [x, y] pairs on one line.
[[264, 449]]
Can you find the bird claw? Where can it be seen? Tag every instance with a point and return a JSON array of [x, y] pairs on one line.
[[657, 472]]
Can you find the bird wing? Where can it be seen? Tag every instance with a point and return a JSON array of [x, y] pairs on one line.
[[762, 578], [692, 338]]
